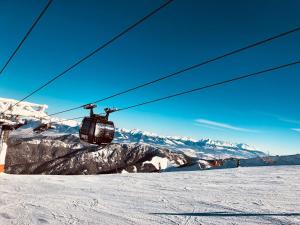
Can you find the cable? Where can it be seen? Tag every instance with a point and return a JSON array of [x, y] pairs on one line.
[[63, 120], [186, 69], [26, 35], [68, 119], [97, 49], [203, 87], [199, 88], [211, 85]]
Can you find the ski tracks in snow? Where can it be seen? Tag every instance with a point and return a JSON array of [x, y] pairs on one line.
[[262, 195]]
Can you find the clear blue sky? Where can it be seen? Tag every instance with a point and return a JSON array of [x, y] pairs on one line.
[[261, 111]]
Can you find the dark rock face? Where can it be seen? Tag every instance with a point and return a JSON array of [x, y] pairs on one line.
[[65, 154]]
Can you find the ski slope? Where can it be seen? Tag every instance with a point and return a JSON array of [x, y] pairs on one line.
[[257, 195]]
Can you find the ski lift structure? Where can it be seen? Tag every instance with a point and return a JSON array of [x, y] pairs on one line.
[[7, 124], [43, 127], [45, 124], [96, 128]]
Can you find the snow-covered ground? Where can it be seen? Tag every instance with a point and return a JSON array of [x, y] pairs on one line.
[[256, 195]]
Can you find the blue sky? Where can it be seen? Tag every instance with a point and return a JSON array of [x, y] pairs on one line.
[[262, 111]]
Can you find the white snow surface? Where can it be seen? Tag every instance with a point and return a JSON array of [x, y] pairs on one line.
[[257, 195], [23, 108], [159, 162]]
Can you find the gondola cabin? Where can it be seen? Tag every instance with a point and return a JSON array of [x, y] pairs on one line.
[[97, 129]]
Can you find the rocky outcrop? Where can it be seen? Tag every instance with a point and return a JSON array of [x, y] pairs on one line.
[[66, 154]]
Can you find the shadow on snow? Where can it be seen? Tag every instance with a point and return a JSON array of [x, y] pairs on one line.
[[227, 214]]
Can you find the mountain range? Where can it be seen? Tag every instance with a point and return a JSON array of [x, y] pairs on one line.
[[202, 148]]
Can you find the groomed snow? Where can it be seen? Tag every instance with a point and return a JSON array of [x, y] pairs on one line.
[[257, 195]]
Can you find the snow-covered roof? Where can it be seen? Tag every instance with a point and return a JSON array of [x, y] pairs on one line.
[[23, 108]]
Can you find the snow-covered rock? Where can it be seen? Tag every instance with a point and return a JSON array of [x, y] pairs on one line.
[[156, 163], [66, 154]]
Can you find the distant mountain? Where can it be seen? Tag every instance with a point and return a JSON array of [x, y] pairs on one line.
[[203, 148]]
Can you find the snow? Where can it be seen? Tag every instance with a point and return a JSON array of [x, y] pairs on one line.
[[32, 111], [208, 148], [158, 162], [23, 108], [256, 195]]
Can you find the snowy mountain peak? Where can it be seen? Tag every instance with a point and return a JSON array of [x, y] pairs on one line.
[[202, 148], [145, 134]]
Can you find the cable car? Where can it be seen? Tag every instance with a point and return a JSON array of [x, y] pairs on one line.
[[97, 129]]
